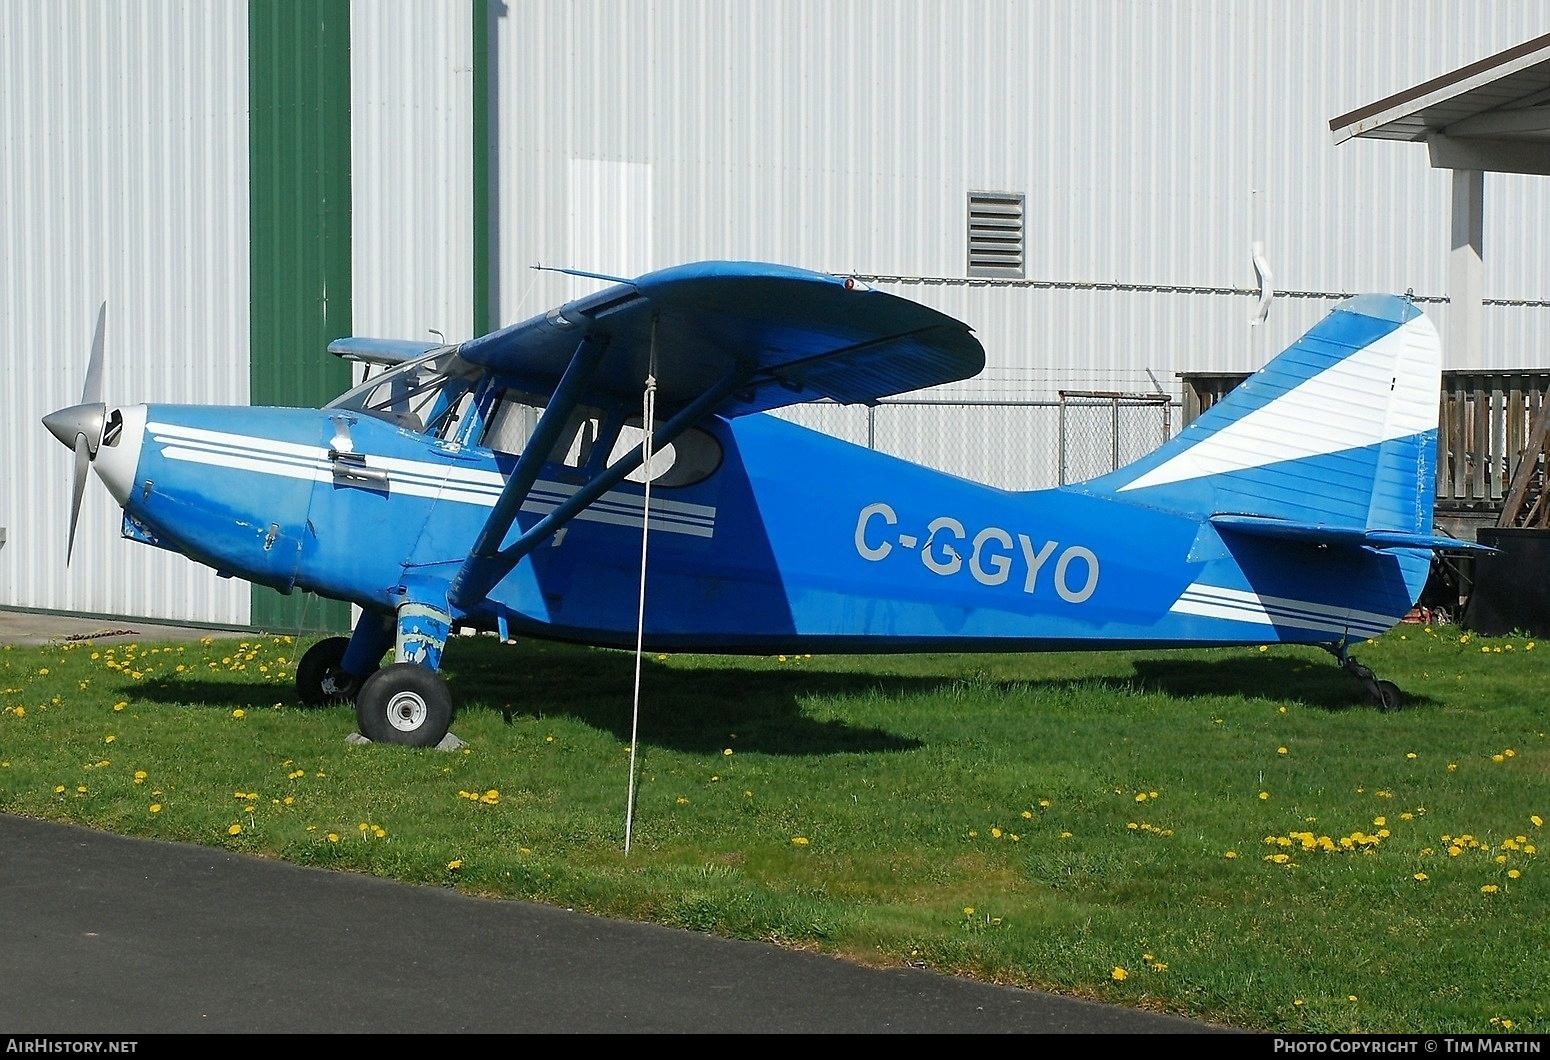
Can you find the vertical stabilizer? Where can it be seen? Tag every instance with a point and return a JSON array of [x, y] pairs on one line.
[[1338, 432]]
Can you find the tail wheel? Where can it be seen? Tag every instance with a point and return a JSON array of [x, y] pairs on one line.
[[404, 703], [320, 681], [1388, 696]]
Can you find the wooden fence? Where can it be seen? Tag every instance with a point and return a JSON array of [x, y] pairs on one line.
[[1491, 434]]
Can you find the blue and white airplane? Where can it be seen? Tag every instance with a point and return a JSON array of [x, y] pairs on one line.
[[503, 483]]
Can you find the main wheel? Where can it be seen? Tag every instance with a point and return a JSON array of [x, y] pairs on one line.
[[404, 703], [320, 682]]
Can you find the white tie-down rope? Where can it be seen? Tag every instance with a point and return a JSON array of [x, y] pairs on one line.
[[648, 424]]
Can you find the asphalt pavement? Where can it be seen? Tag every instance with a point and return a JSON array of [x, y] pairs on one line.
[[109, 935]]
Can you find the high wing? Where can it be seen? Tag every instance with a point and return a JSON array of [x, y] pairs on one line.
[[770, 335], [727, 338]]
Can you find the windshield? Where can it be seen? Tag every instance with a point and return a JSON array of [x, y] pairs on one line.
[[427, 395]]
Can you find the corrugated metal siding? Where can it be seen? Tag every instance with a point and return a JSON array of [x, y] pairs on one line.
[[1156, 144], [411, 138], [123, 140]]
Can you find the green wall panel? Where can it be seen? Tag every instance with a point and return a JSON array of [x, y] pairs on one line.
[[299, 221]]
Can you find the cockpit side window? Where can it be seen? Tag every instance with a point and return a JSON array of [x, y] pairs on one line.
[[692, 457], [515, 414]]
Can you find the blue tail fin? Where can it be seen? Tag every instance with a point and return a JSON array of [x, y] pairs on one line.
[[1335, 440]]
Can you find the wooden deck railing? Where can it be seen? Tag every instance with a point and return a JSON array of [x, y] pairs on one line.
[[1491, 434]]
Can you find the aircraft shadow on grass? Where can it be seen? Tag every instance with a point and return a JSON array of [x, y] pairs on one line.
[[698, 710]]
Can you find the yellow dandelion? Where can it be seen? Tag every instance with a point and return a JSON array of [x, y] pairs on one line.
[[156, 807], [1539, 822], [799, 841], [995, 833], [683, 801], [1119, 975], [1421, 877], [1513, 874], [235, 829], [1280, 750], [333, 837], [1264, 795], [1350, 997], [1409, 754], [455, 864], [1489, 888], [1453, 767], [1043, 804], [1027, 815], [727, 751], [239, 713], [1230, 854]]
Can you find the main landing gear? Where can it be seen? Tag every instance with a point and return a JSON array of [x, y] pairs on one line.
[[406, 702], [1385, 695]]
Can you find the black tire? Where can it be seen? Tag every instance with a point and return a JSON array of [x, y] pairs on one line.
[[404, 703], [320, 682], [1389, 697]]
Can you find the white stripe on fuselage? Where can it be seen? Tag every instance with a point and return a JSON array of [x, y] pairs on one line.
[[415, 478], [1211, 601]]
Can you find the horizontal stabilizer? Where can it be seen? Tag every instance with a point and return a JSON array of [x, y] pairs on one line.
[[1324, 534]]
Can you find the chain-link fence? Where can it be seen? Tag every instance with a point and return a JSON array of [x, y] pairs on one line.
[[1014, 445], [1100, 432]]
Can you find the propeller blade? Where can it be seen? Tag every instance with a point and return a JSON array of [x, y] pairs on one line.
[[91, 392], [82, 462]]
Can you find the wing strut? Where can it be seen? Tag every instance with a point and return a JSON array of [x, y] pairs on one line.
[[483, 569], [547, 431]]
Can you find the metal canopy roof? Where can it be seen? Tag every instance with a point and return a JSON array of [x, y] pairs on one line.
[[1492, 115]]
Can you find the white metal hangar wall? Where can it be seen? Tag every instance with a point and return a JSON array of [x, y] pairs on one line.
[[1153, 147], [125, 144]]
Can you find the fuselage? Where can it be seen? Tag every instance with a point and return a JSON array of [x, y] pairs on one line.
[[781, 539]]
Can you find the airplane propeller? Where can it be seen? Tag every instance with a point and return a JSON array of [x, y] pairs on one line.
[[80, 427]]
